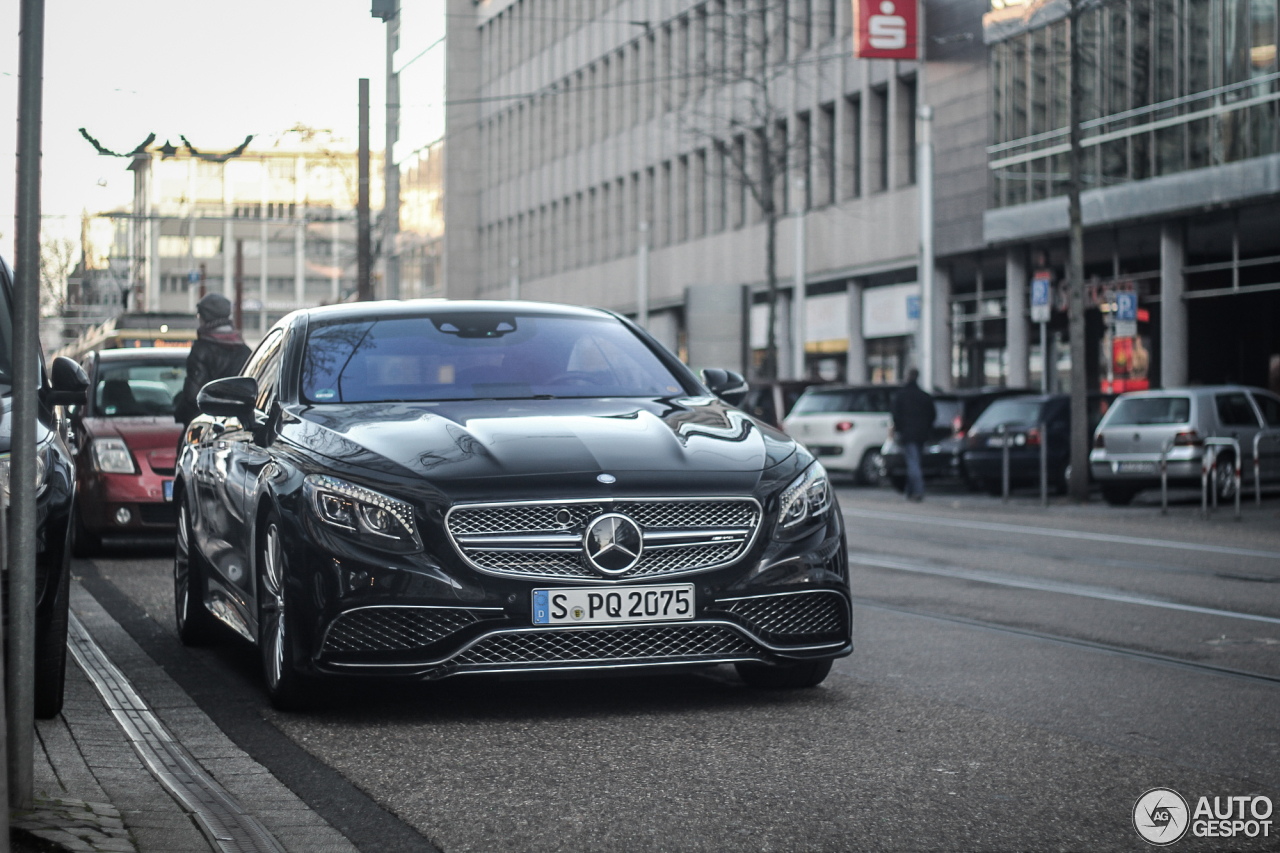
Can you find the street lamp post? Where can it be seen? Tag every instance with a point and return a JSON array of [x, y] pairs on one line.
[[798, 318]]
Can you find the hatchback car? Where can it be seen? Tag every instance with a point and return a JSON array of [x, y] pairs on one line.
[[125, 441], [423, 490], [1130, 438], [845, 427], [1022, 424], [771, 402], [943, 454]]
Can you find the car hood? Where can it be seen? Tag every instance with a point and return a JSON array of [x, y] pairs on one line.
[[690, 443], [138, 433]]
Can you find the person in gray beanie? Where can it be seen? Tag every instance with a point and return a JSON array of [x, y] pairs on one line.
[[218, 351]]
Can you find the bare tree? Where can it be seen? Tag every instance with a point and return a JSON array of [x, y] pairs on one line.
[[58, 257], [739, 83]]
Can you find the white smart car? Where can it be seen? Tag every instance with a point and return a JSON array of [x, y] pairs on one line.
[[844, 427]]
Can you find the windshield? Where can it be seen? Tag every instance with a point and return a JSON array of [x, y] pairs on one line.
[[947, 412], [1140, 411], [845, 400], [1021, 412], [480, 355], [137, 390]]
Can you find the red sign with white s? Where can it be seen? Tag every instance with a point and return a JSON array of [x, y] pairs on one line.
[[885, 29]]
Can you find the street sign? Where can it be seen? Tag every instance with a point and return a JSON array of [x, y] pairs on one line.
[[1126, 315], [193, 277], [913, 307], [1040, 297], [885, 29]]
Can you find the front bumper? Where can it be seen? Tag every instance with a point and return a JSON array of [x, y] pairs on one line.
[[102, 496], [781, 602]]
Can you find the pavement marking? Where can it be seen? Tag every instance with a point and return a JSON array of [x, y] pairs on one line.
[[887, 561], [228, 827], [1107, 648], [1063, 534]]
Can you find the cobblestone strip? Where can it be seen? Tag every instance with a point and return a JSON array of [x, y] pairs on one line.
[[76, 825], [224, 822]]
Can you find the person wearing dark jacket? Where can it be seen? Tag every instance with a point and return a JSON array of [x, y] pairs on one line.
[[218, 351], [913, 414]]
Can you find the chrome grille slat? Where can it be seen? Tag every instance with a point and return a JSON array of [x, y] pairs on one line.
[[799, 615], [612, 645], [394, 629], [478, 532]]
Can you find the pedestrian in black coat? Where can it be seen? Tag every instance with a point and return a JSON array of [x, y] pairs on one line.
[[217, 351], [913, 414]]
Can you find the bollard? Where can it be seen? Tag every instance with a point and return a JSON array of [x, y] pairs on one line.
[[1043, 464], [1209, 472], [1004, 463], [1164, 476], [1204, 482], [1257, 470]]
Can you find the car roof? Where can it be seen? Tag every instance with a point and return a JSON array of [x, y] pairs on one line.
[[144, 354], [823, 389], [1190, 391], [388, 308]]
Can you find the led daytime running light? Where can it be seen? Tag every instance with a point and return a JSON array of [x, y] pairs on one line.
[[362, 503]]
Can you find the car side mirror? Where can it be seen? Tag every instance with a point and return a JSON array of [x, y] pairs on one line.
[[233, 397], [68, 382], [726, 385]]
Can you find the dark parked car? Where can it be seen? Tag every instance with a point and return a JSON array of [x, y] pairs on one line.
[[943, 455], [125, 440], [1022, 418], [55, 498], [425, 490]]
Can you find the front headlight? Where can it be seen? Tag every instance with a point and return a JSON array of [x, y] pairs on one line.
[[365, 515], [112, 456], [807, 498], [42, 473]]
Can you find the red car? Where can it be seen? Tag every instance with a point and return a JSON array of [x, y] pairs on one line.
[[125, 440]]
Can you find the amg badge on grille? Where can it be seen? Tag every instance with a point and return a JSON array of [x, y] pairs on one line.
[[612, 544]]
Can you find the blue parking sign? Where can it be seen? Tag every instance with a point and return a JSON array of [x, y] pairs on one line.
[[1126, 307], [1040, 287], [913, 307]]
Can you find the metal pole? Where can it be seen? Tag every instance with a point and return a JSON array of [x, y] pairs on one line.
[[1204, 482], [642, 278], [515, 278], [4, 742], [390, 171], [1004, 463], [925, 180], [1257, 470], [204, 276], [798, 318], [1237, 477], [1079, 485], [1044, 464], [239, 305], [1044, 358], [26, 366], [1164, 477], [364, 248]]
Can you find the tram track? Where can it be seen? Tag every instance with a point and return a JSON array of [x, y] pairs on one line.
[[1076, 642]]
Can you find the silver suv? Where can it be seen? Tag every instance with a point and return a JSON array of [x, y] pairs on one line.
[[1127, 444]]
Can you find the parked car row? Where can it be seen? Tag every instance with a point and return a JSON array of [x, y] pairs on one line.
[[850, 429]]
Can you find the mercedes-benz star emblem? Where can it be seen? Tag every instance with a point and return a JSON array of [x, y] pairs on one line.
[[613, 544]]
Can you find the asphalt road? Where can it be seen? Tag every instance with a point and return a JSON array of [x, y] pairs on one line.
[[1021, 677]]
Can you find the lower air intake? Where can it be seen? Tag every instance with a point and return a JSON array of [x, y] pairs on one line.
[[608, 645]]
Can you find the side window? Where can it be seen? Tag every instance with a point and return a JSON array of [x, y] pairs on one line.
[[264, 365], [1234, 410], [1270, 407]]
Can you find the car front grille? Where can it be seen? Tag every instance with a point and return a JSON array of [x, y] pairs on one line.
[[631, 644], [792, 617], [544, 540], [395, 629]]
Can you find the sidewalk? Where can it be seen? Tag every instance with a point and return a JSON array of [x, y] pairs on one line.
[[171, 782]]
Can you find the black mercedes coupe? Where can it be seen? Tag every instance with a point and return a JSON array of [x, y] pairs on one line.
[[426, 489]]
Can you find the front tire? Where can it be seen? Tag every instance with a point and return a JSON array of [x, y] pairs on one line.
[[287, 688], [195, 623], [868, 473], [84, 543], [789, 676], [51, 649]]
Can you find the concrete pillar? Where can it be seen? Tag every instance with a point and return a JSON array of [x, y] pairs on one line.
[[714, 322], [1017, 330], [1173, 311], [856, 367], [942, 328]]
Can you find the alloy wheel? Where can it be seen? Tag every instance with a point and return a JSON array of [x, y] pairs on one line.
[[273, 607]]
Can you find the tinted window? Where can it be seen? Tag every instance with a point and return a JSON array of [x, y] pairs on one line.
[[759, 404], [1270, 407], [1014, 411], [482, 355], [948, 411], [137, 390], [1140, 411], [860, 400], [1234, 410]]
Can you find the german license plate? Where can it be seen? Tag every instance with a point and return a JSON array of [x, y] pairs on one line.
[[1137, 468], [612, 605], [168, 490]]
